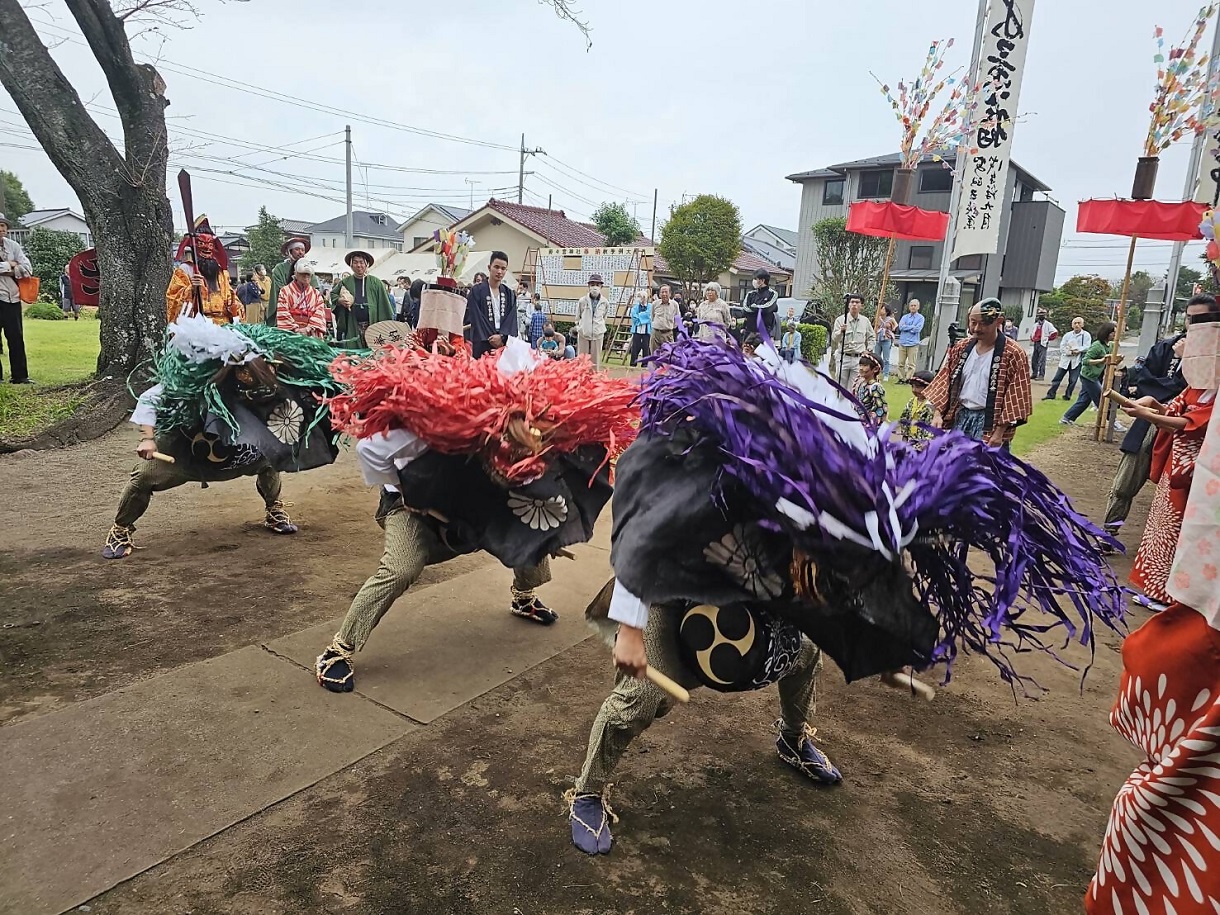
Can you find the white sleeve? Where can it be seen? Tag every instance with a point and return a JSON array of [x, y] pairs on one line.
[[626, 608], [381, 455], [145, 413]]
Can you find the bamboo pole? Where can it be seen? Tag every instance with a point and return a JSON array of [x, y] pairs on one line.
[[885, 274], [1104, 407]]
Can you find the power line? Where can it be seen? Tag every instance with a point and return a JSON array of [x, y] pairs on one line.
[[560, 163]]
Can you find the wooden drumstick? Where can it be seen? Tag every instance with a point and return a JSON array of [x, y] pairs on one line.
[[900, 679], [164, 458], [676, 690], [1119, 398]]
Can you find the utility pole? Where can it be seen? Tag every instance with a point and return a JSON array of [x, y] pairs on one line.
[[349, 240], [550, 200], [935, 348], [652, 233], [521, 169], [1192, 176]]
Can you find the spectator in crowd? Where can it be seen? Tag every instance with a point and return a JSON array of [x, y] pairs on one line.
[[910, 332], [250, 296], [983, 390], [885, 327], [918, 415], [537, 323], [479, 277], [869, 390], [1181, 427], [14, 265], [714, 315], [1094, 362], [301, 307], [852, 337], [1011, 331], [66, 301], [790, 343], [591, 321], [1072, 347], [750, 345], [664, 318], [408, 311], [1044, 333], [491, 308], [1159, 377], [263, 279], [791, 317], [761, 304], [554, 345], [641, 328]]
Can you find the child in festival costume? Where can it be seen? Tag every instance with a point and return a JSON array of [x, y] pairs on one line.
[[508, 454], [759, 522], [1162, 841], [915, 425], [228, 401]]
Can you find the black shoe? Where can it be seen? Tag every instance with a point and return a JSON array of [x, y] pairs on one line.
[[1051, 397], [1067, 396], [531, 608], [22, 381]]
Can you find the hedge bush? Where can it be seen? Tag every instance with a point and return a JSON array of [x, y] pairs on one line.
[[814, 339], [45, 311]]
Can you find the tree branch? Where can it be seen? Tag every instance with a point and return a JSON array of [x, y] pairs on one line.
[[51, 106]]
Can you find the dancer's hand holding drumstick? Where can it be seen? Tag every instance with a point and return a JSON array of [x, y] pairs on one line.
[[631, 658]]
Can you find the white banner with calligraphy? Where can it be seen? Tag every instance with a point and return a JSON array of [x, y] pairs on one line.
[[984, 174], [1207, 190]]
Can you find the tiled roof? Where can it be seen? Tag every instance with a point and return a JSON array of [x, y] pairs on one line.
[[364, 225], [34, 217], [748, 262], [770, 252], [553, 225], [786, 234]]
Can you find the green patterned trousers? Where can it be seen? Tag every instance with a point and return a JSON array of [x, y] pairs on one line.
[[410, 544], [157, 476], [635, 704]]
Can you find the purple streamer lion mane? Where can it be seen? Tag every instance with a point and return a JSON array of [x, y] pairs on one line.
[[923, 506]]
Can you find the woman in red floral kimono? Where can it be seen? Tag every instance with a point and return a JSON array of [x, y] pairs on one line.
[[1182, 424], [1161, 854]]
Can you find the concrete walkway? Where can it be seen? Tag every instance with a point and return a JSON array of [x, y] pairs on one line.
[[103, 790]]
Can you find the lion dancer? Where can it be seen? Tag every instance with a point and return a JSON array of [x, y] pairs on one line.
[[200, 283], [460, 474], [229, 401], [759, 524]]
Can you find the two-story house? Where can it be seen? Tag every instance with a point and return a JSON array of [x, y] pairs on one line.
[[369, 231], [1030, 232]]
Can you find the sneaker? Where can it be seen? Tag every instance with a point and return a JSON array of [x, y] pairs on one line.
[[531, 608], [334, 667], [277, 520], [119, 544], [1067, 422], [590, 816], [805, 757], [1119, 427]]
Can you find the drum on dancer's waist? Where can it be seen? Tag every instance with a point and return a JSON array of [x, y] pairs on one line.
[[736, 648]]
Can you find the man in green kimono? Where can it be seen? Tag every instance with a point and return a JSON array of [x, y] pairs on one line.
[[282, 273], [358, 301]]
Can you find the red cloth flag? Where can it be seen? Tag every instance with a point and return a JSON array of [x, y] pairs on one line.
[[887, 218], [84, 277], [1141, 218]]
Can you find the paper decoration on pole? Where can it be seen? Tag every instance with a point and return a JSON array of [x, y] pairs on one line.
[[1207, 187], [1147, 219], [984, 177], [951, 127], [892, 220], [1185, 97]]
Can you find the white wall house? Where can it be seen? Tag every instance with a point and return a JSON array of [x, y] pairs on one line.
[[369, 230], [419, 228], [64, 220]]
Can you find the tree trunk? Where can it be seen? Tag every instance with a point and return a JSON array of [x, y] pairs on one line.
[[123, 195]]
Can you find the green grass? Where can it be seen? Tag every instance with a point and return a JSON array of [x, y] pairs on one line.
[[59, 353], [1042, 426]]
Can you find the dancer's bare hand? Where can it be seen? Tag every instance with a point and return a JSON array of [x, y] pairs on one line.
[[629, 654], [146, 449]]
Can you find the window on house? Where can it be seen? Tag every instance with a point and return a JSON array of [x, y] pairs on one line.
[[832, 193], [419, 240], [936, 180], [969, 262], [875, 185], [921, 257]]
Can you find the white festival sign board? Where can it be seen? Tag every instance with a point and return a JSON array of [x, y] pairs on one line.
[[984, 174]]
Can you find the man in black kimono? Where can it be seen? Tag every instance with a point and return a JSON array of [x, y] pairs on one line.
[[491, 309]]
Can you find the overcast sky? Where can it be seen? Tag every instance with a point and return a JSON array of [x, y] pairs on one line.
[[685, 96]]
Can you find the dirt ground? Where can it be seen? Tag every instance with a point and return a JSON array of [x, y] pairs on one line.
[[975, 803]]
